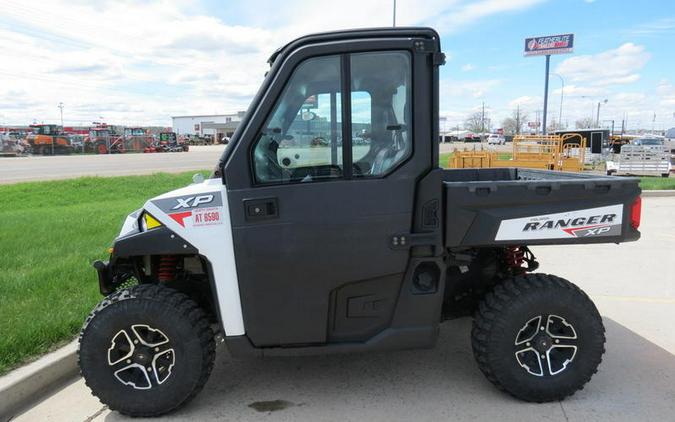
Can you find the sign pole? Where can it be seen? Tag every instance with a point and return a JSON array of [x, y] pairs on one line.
[[548, 62]]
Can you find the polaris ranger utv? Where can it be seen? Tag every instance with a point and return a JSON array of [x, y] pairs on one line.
[[306, 240]]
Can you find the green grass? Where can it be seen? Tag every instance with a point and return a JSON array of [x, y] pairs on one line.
[[657, 183], [50, 233]]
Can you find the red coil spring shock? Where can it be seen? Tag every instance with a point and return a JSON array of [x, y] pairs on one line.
[[167, 268], [514, 258]]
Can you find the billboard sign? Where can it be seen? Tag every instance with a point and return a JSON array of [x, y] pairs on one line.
[[311, 102], [550, 44]]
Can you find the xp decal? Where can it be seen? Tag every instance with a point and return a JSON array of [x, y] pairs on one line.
[[592, 222], [204, 210]]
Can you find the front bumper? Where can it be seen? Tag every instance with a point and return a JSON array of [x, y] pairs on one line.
[[125, 261], [105, 281]]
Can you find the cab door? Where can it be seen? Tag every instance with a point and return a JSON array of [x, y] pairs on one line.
[[329, 178]]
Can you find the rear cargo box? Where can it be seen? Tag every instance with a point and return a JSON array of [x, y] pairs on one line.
[[512, 206]]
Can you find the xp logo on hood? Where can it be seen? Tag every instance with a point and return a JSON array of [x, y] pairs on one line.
[[181, 207], [193, 201]]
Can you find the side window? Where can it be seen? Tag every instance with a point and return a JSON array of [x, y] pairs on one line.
[[381, 117], [302, 140], [362, 126]]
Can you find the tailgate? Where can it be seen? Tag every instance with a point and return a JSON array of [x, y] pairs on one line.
[[538, 207]]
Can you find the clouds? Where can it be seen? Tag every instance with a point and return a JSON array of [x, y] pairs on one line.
[[141, 61], [612, 67], [459, 15]]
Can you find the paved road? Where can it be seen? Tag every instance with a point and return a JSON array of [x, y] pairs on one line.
[[633, 285], [24, 169]]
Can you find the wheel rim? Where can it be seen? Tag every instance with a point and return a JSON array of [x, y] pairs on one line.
[[141, 357], [546, 345]]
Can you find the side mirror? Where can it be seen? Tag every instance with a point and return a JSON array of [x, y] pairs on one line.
[[197, 178]]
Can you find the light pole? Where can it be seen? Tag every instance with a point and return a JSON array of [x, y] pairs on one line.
[[60, 106], [394, 23], [597, 116], [562, 92]]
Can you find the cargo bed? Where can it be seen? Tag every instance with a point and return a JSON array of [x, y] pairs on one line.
[[513, 206]]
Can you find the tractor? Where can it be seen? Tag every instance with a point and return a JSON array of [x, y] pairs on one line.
[[49, 140]]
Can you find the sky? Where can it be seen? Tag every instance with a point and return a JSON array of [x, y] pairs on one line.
[[140, 62]]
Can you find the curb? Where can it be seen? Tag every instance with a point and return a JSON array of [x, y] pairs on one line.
[[657, 193], [27, 385]]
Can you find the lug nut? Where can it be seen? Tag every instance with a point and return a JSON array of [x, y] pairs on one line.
[[156, 349], [527, 344], [128, 360], [149, 369], [135, 341], [541, 328], [543, 356], [557, 341]]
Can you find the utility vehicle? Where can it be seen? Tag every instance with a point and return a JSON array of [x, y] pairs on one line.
[[350, 248]]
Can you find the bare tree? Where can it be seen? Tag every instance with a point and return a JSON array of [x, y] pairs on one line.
[[585, 123], [476, 122], [555, 125], [513, 125]]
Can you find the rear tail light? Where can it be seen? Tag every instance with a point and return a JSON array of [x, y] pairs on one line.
[[635, 211]]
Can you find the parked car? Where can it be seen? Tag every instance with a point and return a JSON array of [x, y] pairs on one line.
[[496, 139]]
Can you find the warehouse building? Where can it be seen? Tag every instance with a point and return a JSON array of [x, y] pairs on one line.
[[216, 125]]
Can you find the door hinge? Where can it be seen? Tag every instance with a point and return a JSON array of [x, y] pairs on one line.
[[429, 47], [408, 240]]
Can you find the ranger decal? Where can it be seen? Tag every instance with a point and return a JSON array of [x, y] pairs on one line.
[[591, 222]]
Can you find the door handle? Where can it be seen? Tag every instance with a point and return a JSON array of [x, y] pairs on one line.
[[261, 209]]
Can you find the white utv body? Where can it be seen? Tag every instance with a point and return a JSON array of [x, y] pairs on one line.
[[328, 227]]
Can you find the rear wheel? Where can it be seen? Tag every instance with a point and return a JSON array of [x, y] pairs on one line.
[[538, 337], [146, 350]]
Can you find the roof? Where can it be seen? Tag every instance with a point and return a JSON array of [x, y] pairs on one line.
[[420, 32]]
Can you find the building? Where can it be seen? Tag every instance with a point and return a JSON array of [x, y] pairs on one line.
[[218, 125]]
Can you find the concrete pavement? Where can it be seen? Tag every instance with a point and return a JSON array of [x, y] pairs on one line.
[[633, 285], [35, 168]]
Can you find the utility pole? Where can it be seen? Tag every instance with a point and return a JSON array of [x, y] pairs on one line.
[[60, 106], [597, 116], [482, 120], [562, 92], [394, 23], [518, 119]]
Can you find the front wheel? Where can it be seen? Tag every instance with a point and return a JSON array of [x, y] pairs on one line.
[[146, 350], [538, 337]]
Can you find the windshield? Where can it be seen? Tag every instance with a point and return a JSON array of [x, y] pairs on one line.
[[648, 141]]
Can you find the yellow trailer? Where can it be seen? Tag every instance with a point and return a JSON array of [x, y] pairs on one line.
[[550, 152]]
